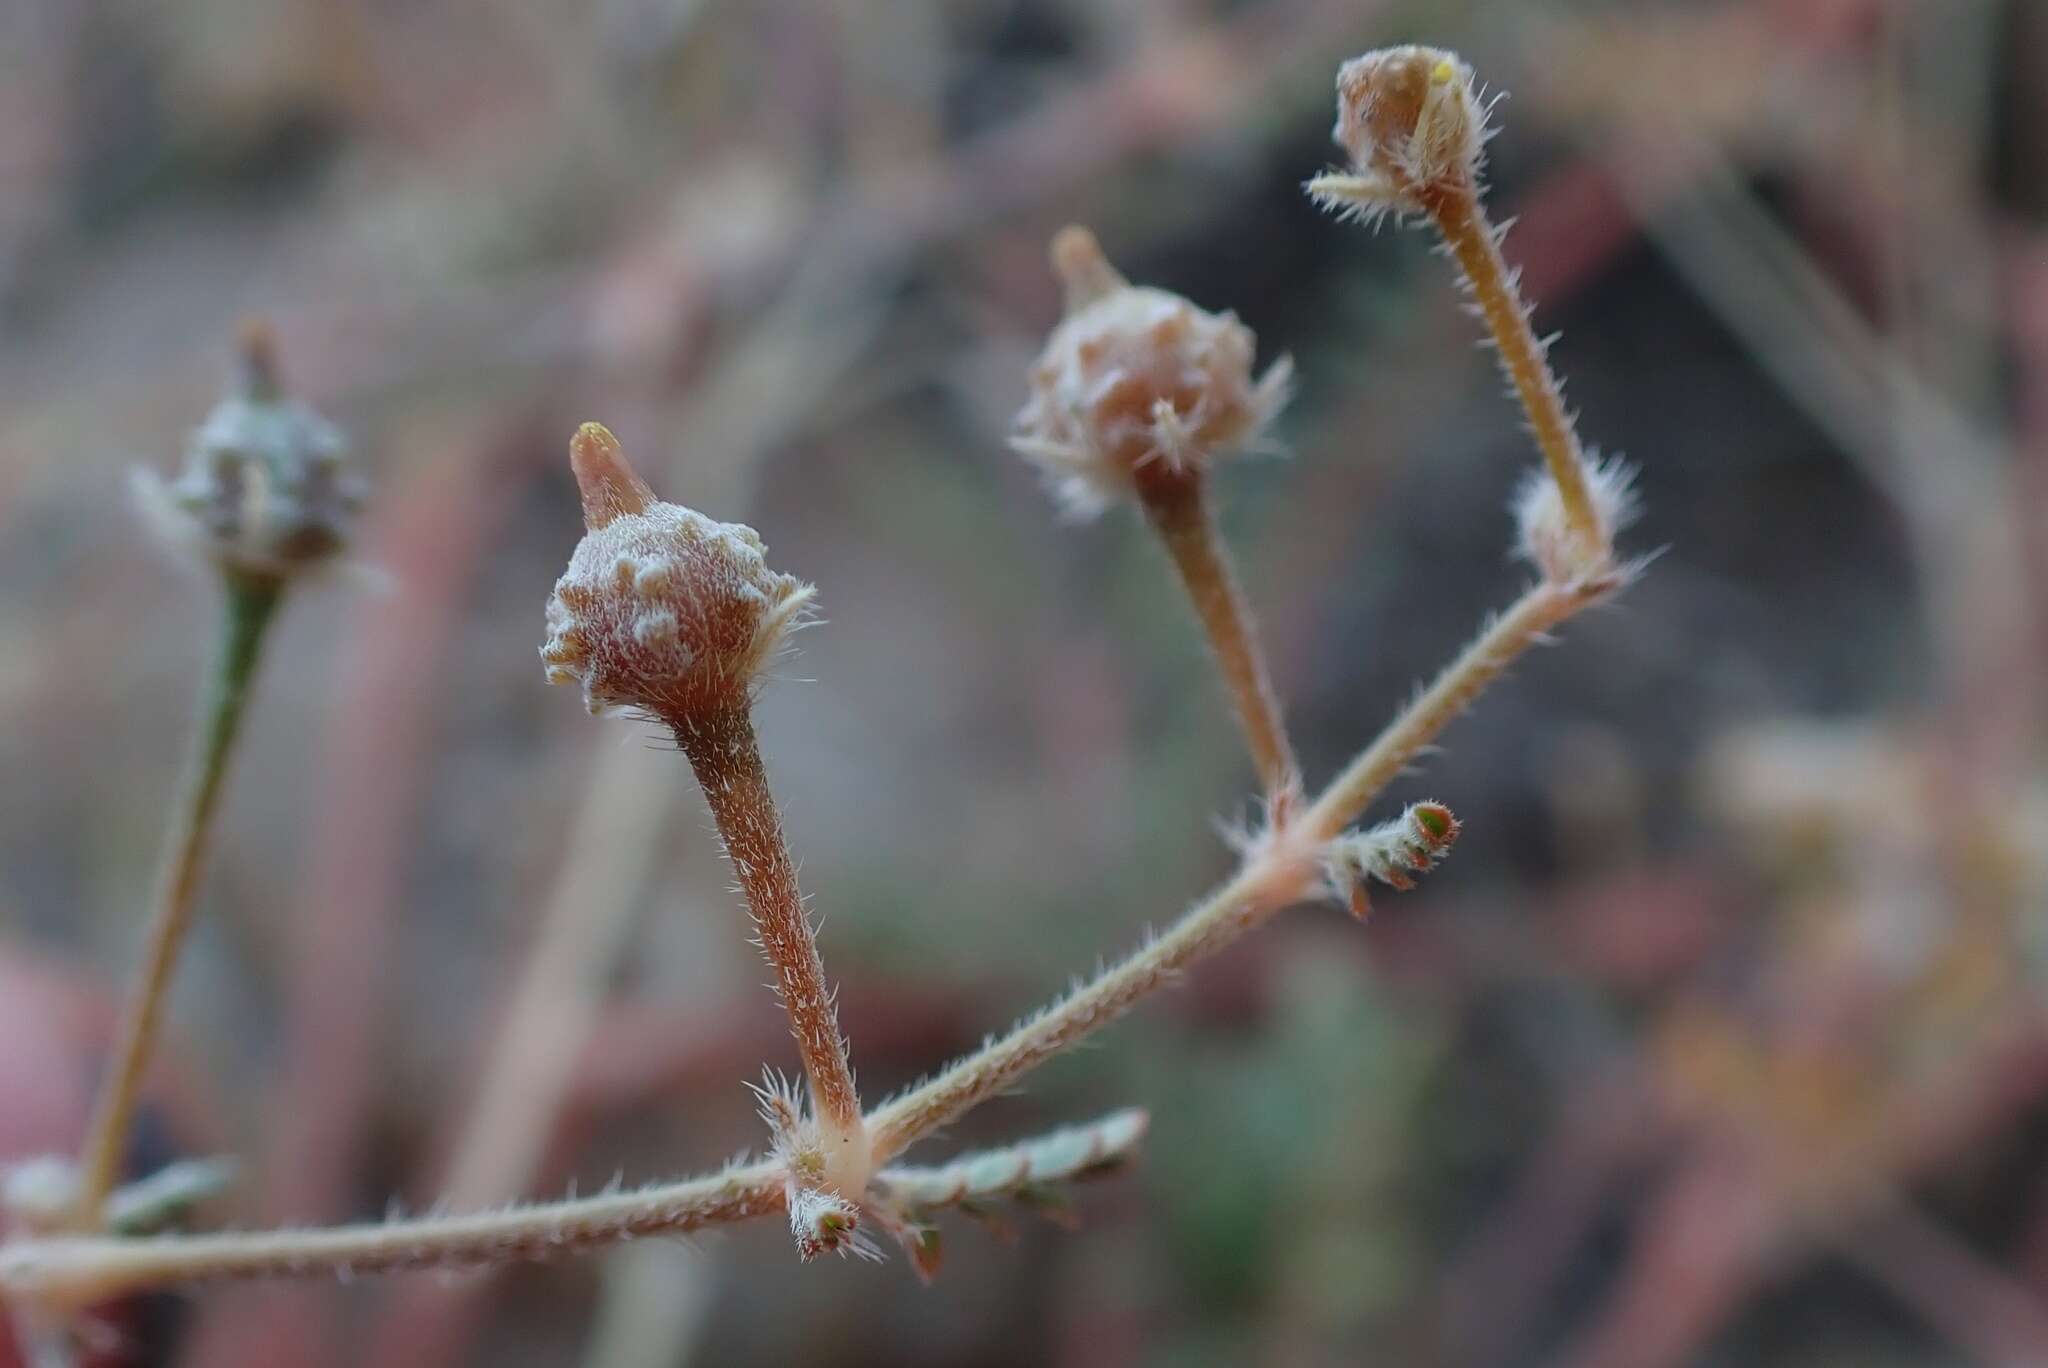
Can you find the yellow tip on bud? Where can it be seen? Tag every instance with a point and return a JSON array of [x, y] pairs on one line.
[[609, 485]]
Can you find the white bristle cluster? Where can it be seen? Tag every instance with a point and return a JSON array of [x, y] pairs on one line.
[[1135, 377], [1544, 535]]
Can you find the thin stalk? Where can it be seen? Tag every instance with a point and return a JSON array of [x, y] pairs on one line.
[[1277, 873], [724, 753], [1179, 511], [1281, 875], [250, 605], [1458, 214], [561, 987], [1541, 607], [79, 1271]]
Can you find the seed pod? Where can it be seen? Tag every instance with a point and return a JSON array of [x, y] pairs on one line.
[[661, 608], [265, 491], [1136, 383]]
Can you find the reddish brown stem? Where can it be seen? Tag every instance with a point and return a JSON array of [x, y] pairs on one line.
[[722, 749]]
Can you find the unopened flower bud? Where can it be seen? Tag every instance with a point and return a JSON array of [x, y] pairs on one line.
[[265, 491], [661, 608], [1137, 382], [1408, 117]]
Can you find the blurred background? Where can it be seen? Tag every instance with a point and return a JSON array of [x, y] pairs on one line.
[[1723, 1038]]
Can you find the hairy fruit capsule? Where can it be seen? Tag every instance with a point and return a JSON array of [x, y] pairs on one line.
[[1136, 382], [661, 608]]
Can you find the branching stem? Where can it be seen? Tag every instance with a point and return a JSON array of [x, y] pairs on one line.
[[1455, 208], [82, 1270], [250, 605]]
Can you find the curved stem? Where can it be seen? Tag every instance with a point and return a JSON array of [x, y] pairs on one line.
[[1179, 511], [727, 759], [250, 606]]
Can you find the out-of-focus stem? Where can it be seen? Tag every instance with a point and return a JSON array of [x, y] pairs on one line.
[[250, 606], [1178, 507]]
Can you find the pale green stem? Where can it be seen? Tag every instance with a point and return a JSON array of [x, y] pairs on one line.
[[250, 605]]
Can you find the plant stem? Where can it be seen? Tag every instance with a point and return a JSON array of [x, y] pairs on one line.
[[250, 605], [723, 751], [1074, 1152], [1281, 871], [67, 1272], [1178, 508], [1541, 607], [1461, 218], [82, 1270]]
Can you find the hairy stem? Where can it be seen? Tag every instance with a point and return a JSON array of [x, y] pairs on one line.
[[1179, 511], [1279, 871], [79, 1271], [562, 984], [1461, 218], [1260, 889], [727, 759], [1541, 607], [250, 606], [1067, 1154]]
